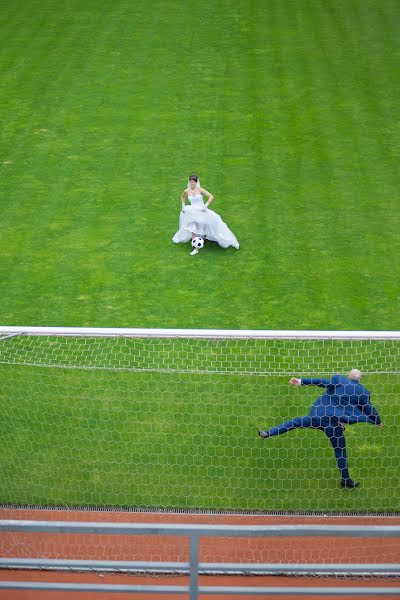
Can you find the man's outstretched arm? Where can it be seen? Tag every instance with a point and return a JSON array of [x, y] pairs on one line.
[[319, 381]]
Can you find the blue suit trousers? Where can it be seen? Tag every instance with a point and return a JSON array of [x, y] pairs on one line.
[[332, 429]]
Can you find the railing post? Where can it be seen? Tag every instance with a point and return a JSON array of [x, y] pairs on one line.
[[194, 567]]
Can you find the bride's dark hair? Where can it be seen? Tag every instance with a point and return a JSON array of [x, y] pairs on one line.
[[193, 177]]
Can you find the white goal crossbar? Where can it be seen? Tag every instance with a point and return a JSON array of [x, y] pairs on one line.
[[198, 333]]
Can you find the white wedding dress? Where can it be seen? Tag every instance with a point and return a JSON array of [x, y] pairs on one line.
[[204, 222]]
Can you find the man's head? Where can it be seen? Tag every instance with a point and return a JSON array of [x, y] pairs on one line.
[[355, 374]]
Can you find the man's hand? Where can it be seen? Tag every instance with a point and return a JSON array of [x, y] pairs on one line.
[[295, 381]]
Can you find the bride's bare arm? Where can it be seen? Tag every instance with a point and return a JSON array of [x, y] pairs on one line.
[[209, 196], [183, 198]]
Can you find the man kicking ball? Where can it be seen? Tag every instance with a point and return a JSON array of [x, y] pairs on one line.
[[344, 402]]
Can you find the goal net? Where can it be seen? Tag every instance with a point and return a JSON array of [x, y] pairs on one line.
[[168, 419]]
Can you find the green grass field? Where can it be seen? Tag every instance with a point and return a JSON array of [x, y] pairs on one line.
[[289, 112]]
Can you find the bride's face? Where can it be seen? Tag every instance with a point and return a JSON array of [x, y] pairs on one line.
[[192, 184]]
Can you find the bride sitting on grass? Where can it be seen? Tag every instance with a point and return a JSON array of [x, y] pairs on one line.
[[197, 220]]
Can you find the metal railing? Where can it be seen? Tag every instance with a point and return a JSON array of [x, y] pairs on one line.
[[193, 568]]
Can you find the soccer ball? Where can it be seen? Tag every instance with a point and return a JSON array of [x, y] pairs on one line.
[[198, 243]]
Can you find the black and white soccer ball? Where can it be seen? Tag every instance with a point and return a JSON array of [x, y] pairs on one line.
[[197, 243]]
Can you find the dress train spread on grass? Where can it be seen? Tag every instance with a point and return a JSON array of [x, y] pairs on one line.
[[203, 222]]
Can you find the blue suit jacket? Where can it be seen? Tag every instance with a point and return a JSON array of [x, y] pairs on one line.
[[345, 399]]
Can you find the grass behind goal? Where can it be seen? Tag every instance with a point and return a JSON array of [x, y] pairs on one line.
[[172, 423]]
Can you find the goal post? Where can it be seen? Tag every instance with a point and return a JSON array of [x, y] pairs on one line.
[[168, 419]]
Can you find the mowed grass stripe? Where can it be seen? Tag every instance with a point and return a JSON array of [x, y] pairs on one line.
[[330, 222], [50, 213], [41, 155], [288, 142], [365, 159]]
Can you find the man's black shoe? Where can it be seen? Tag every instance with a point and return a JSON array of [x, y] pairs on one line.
[[263, 434], [349, 483]]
